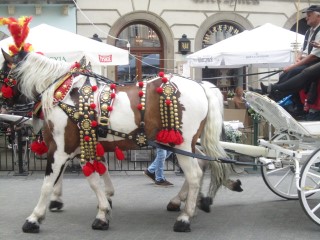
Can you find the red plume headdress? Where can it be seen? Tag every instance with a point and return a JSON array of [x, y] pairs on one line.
[[19, 29]]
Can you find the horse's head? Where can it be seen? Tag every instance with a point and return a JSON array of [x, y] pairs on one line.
[[10, 96]]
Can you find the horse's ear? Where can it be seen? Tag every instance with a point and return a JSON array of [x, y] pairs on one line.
[[7, 57]]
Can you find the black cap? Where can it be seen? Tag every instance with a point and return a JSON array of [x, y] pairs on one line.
[[312, 8]]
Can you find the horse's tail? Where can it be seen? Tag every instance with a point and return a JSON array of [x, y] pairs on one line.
[[210, 138]]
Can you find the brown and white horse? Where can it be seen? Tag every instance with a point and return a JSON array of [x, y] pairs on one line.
[[201, 114]]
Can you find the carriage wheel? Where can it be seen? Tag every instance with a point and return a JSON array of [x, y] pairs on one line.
[[310, 184], [281, 180]]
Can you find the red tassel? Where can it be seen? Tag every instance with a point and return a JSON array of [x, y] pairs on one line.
[[171, 136], [119, 153], [99, 167], [179, 138], [88, 169], [162, 136], [99, 150], [39, 148], [6, 91]]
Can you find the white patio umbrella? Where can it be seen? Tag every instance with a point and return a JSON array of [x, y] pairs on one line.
[[265, 46], [67, 46]]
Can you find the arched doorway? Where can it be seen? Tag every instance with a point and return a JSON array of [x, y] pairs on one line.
[[146, 52], [226, 79]]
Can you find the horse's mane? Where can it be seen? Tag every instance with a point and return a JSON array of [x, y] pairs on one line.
[[36, 73]]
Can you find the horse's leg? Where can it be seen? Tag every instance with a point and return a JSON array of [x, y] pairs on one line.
[[101, 222], [108, 186], [175, 202], [56, 203], [52, 173], [193, 175]]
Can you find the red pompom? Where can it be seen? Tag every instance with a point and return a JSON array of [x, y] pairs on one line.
[[113, 86], [6, 80], [6, 91], [14, 82], [112, 95], [164, 80], [88, 169], [39, 148], [140, 84], [94, 123], [99, 150], [99, 167], [94, 88], [160, 90], [76, 65], [161, 74], [141, 93], [139, 106], [119, 153], [92, 105], [86, 138], [109, 108], [168, 102]]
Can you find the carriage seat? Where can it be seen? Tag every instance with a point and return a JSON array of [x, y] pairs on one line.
[[312, 127]]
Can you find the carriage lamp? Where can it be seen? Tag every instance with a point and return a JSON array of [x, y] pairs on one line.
[[184, 45]]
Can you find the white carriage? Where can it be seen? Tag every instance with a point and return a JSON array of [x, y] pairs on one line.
[[291, 158]]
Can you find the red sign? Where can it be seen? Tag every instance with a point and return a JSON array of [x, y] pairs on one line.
[[105, 58]]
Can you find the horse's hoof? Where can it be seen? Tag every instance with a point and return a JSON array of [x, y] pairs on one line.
[[237, 186], [29, 227], [205, 203], [181, 226], [55, 206], [98, 224], [171, 207]]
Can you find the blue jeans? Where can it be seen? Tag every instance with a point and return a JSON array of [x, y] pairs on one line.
[[158, 164]]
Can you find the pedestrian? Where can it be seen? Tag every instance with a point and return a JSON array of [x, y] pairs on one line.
[[155, 170]]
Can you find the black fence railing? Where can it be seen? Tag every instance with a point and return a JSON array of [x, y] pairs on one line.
[[16, 156]]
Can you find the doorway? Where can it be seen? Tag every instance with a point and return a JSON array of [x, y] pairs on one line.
[[146, 53]]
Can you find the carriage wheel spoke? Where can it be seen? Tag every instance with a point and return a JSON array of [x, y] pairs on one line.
[[282, 179]]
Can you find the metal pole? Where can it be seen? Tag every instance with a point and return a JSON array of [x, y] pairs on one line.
[[21, 171]]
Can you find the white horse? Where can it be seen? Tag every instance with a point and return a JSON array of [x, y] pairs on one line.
[[196, 109]]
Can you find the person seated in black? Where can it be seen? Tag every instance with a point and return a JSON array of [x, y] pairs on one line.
[[309, 55]]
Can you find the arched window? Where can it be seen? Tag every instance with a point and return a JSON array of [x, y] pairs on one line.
[[146, 52], [214, 34]]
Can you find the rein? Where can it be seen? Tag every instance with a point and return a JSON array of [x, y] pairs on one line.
[[249, 74]]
